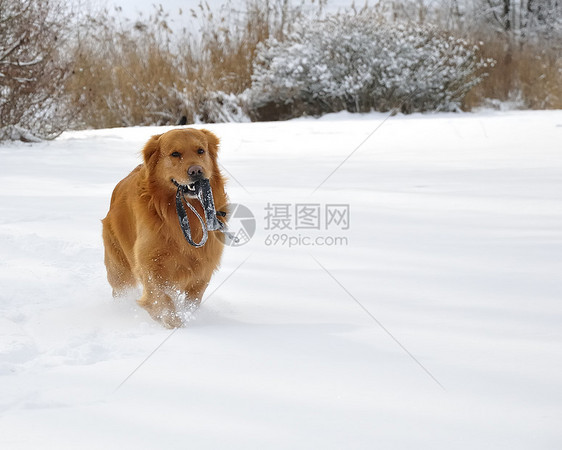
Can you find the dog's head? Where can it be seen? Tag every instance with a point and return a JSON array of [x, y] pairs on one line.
[[180, 158]]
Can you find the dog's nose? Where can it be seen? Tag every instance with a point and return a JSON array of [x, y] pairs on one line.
[[195, 172]]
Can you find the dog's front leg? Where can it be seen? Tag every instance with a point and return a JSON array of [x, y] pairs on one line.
[[195, 291], [159, 304]]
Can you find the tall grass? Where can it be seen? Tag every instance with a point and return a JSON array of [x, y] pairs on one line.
[[143, 72], [150, 71], [526, 75]]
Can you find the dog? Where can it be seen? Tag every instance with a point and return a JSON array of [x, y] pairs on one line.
[[143, 240]]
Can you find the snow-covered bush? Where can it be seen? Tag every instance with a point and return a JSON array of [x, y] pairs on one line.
[[33, 69], [360, 62], [219, 107]]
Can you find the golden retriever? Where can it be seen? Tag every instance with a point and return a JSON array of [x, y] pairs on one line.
[[142, 236]]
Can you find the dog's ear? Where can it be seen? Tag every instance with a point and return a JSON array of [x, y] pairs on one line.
[[213, 142], [150, 151]]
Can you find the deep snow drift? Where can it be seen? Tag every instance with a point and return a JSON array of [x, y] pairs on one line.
[[447, 272]]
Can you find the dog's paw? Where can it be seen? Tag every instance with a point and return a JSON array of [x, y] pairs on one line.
[[171, 319]]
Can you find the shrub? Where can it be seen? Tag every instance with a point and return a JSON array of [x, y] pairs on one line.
[[33, 71], [361, 62]]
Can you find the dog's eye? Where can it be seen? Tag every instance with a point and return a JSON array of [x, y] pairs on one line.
[[200, 151], [176, 155]]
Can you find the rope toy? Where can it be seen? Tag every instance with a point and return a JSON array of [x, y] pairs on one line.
[[210, 223]]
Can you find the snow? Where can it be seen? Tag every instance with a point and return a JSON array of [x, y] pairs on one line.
[[452, 269]]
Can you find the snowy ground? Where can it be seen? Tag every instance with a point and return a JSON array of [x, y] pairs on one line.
[[438, 325]]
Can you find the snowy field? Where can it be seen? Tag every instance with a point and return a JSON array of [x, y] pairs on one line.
[[433, 322]]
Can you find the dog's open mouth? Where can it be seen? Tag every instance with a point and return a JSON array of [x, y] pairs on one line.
[[190, 189]]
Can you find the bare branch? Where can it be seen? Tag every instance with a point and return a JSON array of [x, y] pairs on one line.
[[13, 48]]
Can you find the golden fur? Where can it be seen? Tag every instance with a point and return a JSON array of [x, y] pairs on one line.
[[141, 232]]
